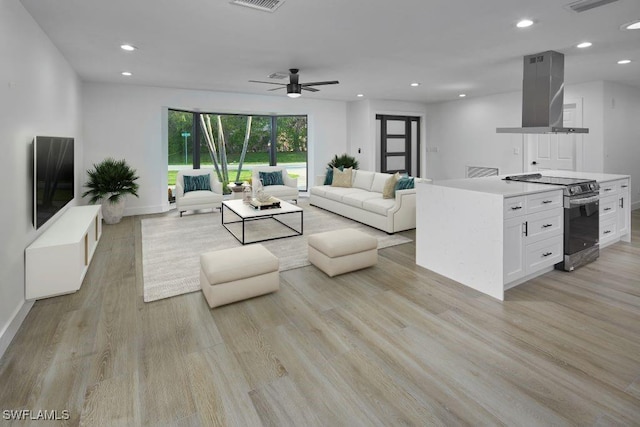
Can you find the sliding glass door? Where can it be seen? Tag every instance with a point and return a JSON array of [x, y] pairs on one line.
[[232, 144]]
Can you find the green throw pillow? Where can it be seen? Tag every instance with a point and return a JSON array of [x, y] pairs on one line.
[[404, 183], [271, 178], [197, 182]]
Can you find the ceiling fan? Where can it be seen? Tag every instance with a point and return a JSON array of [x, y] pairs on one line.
[[294, 87]]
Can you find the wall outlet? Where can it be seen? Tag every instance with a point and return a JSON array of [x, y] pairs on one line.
[[516, 151]]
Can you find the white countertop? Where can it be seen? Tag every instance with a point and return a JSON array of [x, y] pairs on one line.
[[497, 185]]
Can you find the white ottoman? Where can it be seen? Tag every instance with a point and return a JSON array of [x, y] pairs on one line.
[[235, 274], [341, 251]]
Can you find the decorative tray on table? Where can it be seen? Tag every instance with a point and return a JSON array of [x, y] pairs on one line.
[[271, 203]]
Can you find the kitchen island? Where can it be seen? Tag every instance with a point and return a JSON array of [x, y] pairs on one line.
[[491, 234]]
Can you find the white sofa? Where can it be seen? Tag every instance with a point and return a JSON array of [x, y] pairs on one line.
[[363, 202], [194, 200], [288, 191]]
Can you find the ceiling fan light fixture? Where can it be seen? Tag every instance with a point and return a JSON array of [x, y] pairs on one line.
[[294, 90]]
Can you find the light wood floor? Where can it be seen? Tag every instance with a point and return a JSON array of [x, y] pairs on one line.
[[390, 345]]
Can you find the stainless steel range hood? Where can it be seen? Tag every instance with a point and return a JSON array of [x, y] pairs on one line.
[[543, 95]]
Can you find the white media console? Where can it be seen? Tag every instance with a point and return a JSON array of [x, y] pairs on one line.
[[57, 261]]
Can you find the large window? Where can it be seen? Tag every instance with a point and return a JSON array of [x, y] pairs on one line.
[[233, 144]]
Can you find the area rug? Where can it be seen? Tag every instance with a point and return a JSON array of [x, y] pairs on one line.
[[171, 246]]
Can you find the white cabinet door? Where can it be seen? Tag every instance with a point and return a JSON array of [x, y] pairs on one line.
[[624, 209], [514, 267]]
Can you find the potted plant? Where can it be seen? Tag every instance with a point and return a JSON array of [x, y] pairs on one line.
[[344, 160], [109, 182]]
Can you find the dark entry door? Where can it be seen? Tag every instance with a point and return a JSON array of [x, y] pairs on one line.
[[399, 144]]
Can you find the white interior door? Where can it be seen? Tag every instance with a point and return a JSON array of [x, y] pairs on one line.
[[556, 151]]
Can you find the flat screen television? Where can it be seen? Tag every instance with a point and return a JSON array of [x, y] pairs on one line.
[[53, 176]]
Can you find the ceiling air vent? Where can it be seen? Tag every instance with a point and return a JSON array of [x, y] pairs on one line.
[[264, 5], [584, 5], [278, 75]]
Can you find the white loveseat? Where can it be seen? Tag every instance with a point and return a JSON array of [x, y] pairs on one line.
[[363, 202]]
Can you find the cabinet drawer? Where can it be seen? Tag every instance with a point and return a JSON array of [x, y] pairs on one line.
[[544, 225], [608, 207], [608, 229], [514, 206], [544, 201], [609, 188], [543, 254]]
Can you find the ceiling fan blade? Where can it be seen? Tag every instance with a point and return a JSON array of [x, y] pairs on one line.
[[268, 83], [276, 88], [331, 82], [310, 89]]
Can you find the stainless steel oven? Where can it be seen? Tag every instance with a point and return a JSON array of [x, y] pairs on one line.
[[581, 229]]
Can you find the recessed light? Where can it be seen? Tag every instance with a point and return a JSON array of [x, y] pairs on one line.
[[624, 61], [524, 23], [635, 25], [415, 84], [127, 47], [126, 73], [360, 95], [462, 95], [584, 44]]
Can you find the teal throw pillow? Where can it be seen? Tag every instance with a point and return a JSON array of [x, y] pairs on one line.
[[404, 183], [197, 182], [328, 178], [271, 178]]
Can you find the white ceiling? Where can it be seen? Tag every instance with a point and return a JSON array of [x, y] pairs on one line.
[[372, 47]]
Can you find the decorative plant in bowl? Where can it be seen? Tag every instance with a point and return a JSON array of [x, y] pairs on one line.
[[109, 182]]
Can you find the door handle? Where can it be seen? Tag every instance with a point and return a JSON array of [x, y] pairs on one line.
[[547, 225], [525, 225], [547, 201], [515, 208], [608, 209], [546, 254], [622, 202], [534, 163]]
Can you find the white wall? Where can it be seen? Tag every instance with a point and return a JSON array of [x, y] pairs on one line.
[[359, 129], [622, 134], [39, 95], [125, 121], [464, 132]]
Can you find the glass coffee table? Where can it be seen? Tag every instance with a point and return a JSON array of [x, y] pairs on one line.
[[249, 225]]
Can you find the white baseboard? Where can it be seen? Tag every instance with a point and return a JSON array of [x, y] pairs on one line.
[[145, 210], [7, 334]]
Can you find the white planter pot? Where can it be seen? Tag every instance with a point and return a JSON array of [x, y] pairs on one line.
[[112, 212]]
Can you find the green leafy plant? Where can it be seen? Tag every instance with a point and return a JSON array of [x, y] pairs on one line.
[[344, 160], [111, 179]]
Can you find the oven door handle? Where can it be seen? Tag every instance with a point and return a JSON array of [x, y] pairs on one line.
[[583, 201]]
